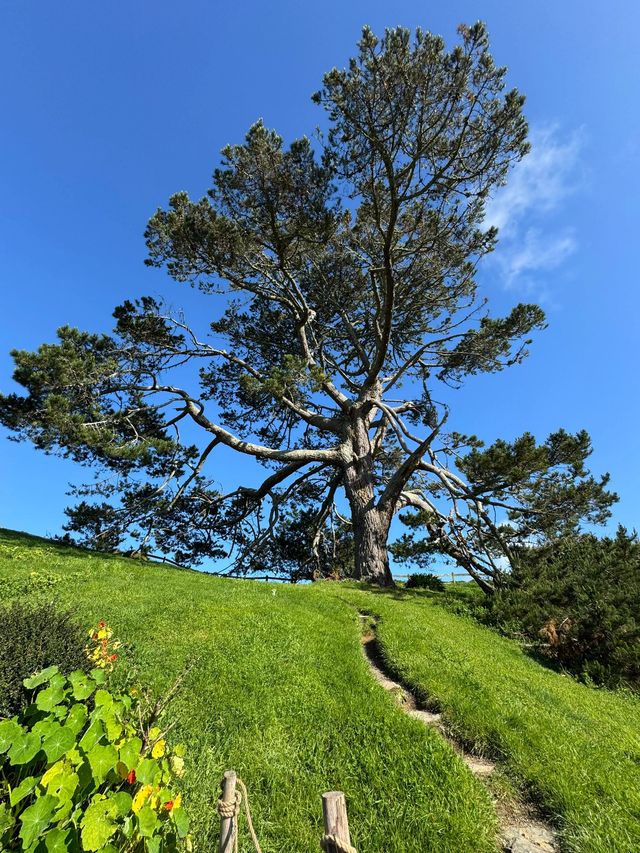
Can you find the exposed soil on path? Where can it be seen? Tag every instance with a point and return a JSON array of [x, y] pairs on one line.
[[522, 829]]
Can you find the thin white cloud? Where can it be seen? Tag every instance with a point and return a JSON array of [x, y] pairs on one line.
[[539, 182], [534, 253], [529, 241]]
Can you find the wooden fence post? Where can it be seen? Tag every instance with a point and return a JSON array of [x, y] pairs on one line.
[[228, 825], [336, 824]]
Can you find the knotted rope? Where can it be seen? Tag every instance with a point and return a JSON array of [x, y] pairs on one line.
[[331, 843], [231, 809]]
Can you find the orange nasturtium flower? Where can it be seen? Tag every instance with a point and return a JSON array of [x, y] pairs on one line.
[[131, 777], [173, 804]]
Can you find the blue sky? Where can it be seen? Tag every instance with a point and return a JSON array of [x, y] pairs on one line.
[[109, 108]]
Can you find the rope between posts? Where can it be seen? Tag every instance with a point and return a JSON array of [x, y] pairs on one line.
[[231, 809], [330, 843]]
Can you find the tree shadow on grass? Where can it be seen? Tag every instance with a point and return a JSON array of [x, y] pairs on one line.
[[399, 593]]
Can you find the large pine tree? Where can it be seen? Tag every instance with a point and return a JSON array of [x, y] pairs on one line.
[[347, 271]]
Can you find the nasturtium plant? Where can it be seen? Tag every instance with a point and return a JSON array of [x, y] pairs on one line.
[[79, 772], [101, 648]]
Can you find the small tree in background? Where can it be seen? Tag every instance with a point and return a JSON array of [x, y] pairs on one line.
[[346, 281]]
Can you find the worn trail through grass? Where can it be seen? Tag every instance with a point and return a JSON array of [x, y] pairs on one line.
[[571, 749], [522, 828]]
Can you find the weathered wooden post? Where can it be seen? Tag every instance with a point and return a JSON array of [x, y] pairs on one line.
[[227, 810], [336, 837]]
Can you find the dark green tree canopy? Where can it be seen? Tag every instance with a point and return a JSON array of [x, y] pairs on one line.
[[347, 274]]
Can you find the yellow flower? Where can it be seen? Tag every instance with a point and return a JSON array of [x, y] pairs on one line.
[[141, 797], [177, 801], [158, 749]]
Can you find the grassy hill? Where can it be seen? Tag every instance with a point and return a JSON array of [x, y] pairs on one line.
[[282, 694]]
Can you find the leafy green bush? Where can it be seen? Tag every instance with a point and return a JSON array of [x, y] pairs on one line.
[[578, 602], [34, 638], [425, 580], [77, 773]]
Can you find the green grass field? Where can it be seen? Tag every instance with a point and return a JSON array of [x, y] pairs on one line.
[[282, 694]]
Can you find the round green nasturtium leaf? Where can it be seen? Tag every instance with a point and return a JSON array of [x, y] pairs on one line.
[[92, 735], [43, 728], [102, 759], [98, 675], [59, 741], [103, 697], [57, 680], [74, 757], [36, 818], [52, 774], [49, 698], [123, 802], [128, 826], [147, 771], [82, 686], [40, 677], [60, 712], [98, 825], [60, 840], [22, 790], [154, 845], [77, 718], [111, 723], [61, 815], [24, 748], [147, 821], [61, 780], [10, 731], [130, 752], [181, 820]]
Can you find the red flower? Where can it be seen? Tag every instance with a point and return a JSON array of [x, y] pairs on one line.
[[94, 636], [113, 657], [168, 805], [131, 777], [101, 623]]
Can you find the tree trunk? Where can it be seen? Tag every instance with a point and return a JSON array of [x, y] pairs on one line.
[[370, 524], [370, 533]]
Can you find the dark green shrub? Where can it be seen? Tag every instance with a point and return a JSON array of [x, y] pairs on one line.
[[425, 581], [33, 638], [578, 602]]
